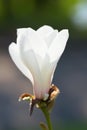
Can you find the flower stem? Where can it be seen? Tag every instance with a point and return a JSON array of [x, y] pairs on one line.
[[47, 116]]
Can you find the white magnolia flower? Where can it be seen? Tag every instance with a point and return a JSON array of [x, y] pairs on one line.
[[36, 54]]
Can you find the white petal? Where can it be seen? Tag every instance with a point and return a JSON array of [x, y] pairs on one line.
[[21, 31], [28, 39], [57, 47], [47, 70], [44, 31], [29, 57], [14, 53], [23, 36], [50, 38], [47, 73]]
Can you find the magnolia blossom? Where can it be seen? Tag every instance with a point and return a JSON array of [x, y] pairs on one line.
[[36, 54]]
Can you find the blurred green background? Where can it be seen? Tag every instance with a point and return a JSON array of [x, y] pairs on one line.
[[70, 111], [35, 13]]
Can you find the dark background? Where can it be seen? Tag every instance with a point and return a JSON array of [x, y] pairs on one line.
[[70, 111]]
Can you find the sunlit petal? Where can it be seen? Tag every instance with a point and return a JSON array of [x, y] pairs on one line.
[[29, 58], [57, 47], [47, 72], [44, 31], [15, 55], [51, 37], [29, 40]]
